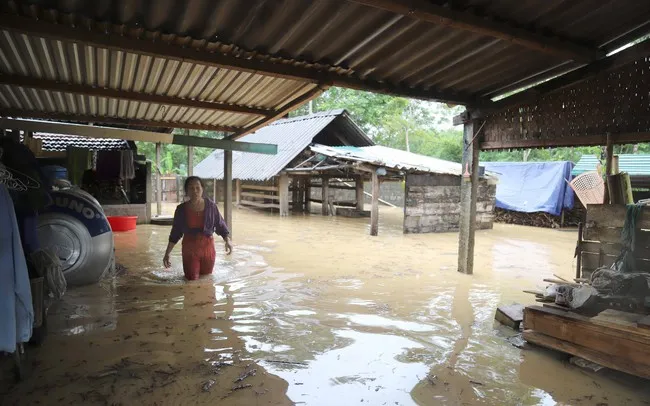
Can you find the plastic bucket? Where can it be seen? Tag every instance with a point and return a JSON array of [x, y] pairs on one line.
[[122, 223]]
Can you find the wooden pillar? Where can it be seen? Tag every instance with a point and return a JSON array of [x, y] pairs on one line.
[[149, 189], [325, 210], [298, 204], [238, 191], [227, 188], [308, 195], [214, 190], [468, 196], [190, 156], [294, 194], [158, 180], [190, 160], [609, 156], [374, 211], [284, 194], [358, 183]]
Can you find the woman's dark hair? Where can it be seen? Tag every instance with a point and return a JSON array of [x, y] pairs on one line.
[[191, 179]]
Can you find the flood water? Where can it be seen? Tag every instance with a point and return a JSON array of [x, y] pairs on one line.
[[311, 310]]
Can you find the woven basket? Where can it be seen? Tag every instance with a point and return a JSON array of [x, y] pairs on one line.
[[589, 187]]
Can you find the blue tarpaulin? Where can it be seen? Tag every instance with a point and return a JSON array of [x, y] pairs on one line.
[[533, 186]]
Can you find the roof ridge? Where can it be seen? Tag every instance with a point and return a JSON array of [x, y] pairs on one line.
[[333, 112]]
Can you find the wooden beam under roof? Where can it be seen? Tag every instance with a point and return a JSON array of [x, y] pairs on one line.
[[80, 118], [270, 67], [134, 135], [575, 141], [55, 86], [432, 13]]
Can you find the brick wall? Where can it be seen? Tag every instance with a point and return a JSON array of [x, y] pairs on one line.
[[433, 204]]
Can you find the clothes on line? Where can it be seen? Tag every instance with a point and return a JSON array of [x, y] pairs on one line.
[[16, 309], [112, 165], [78, 161]]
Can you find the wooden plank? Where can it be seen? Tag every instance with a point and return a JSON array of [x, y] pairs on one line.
[[577, 141], [510, 315], [260, 205], [587, 353], [260, 187], [613, 235], [125, 134], [342, 187], [593, 261], [620, 320], [374, 211], [640, 251], [260, 196], [613, 215], [613, 340]]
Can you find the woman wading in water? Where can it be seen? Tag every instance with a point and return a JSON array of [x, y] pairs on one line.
[[195, 221]]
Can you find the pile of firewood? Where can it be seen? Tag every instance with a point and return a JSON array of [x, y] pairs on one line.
[[539, 219]]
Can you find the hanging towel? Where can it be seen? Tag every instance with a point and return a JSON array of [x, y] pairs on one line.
[[16, 309], [79, 160], [127, 168]]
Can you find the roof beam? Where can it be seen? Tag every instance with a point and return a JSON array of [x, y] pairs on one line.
[[310, 95], [111, 120], [55, 86], [134, 135], [161, 49], [576, 141], [432, 13]]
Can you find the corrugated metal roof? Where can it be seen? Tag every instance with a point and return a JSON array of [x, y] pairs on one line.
[[292, 136], [344, 39], [67, 62], [391, 158], [59, 142], [633, 164]]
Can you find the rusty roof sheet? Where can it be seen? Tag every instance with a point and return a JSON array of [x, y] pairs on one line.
[[292, 136]]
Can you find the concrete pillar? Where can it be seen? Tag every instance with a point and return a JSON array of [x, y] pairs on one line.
[[158, 180], [190, 160], [227, 188], [374, 211], [283, 189], [468, 196]]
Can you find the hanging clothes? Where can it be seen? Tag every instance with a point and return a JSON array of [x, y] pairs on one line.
[[16, 309], [79, 160], [109, 165], [127, 168]]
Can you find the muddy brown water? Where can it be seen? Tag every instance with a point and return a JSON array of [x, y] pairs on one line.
[[312, 310]]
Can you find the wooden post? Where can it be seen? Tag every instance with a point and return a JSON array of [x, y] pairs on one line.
[[298, 205], [325, 196], [358, 183], [294, 194], [148, 195], [214, 190], [158, 180], [284, 194], [308, 195], [227, 188], [238, 191], [374, 211], [609, 155], [468, 196], [190, 156]]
